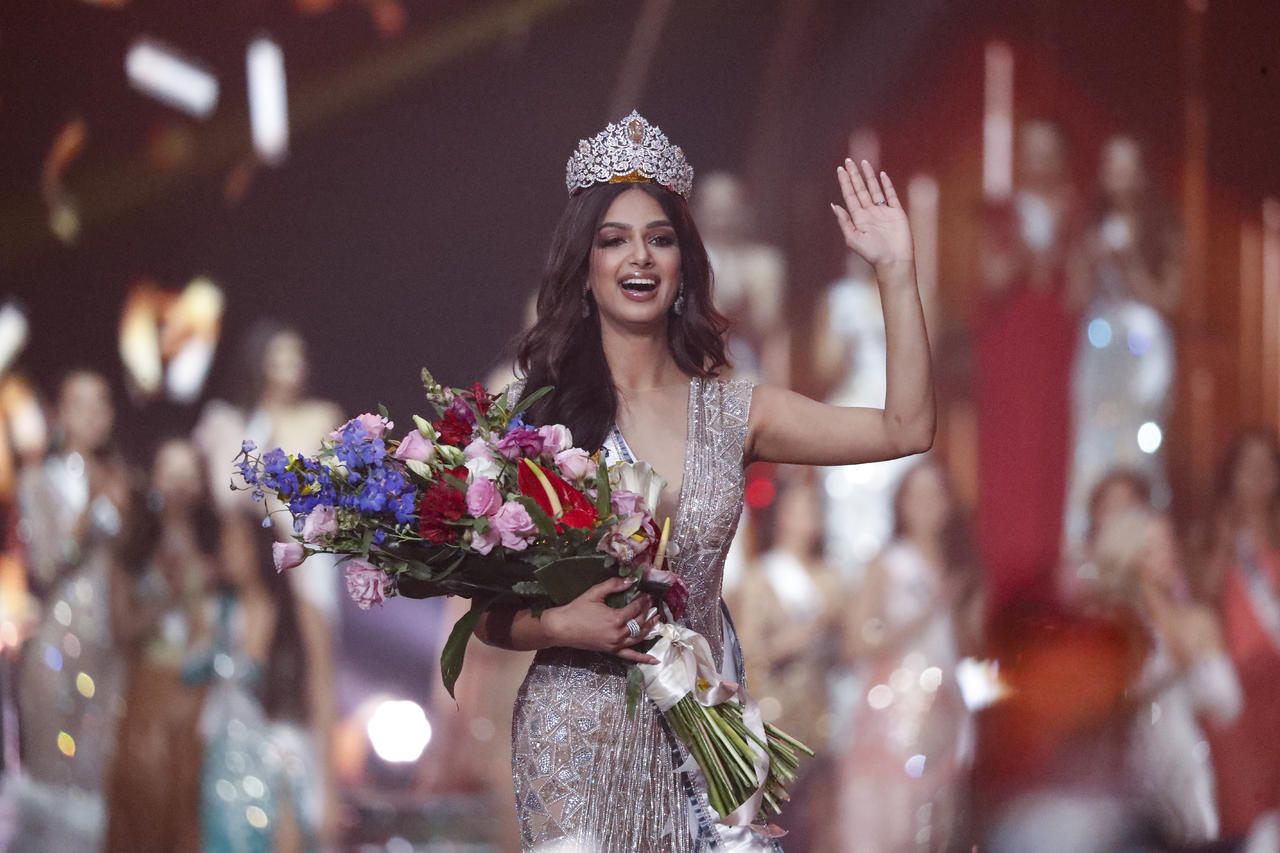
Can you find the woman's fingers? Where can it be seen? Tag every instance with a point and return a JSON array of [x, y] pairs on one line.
[[873, 186], [608, 587], [634, 609], [846, 187], [636, 657], [843, 219], [646, 622], [859, 185], [890, 194]]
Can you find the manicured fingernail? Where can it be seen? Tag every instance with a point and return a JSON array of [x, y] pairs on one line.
[[630, 581], [651, 613]]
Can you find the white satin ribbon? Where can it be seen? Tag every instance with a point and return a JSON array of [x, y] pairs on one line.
[[685, 666]]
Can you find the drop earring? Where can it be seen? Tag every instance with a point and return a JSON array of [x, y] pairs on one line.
[[678, 305]]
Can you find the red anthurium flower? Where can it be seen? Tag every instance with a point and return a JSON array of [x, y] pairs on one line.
[[569, 508]]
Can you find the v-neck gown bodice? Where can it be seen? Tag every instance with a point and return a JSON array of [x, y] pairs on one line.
[[588, 777]]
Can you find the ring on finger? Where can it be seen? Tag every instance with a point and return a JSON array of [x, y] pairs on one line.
[[633, 628], [881, 201]]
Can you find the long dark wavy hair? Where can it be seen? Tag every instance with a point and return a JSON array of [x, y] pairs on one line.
[[563, 349]]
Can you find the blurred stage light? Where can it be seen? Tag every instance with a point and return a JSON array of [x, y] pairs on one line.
[[68, 144], [997, 123], [13, 334], [168, 339], [139, 344], [1149, 437], [160, 72], [192, 325], [268, 99], [980, 683], [1099, 332], [399, 731]]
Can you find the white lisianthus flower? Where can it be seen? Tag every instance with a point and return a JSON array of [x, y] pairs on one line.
[[640, 478], [480, 463]]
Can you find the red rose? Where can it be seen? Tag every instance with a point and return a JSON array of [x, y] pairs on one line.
[[452, 429], [442, 501]]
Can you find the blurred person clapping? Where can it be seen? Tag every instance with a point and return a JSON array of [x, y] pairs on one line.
[[1240, 574], [1186, 676]]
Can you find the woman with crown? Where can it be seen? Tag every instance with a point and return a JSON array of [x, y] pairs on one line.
[[627, 335]]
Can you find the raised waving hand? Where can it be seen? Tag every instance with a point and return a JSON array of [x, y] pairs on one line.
[[873, 222]]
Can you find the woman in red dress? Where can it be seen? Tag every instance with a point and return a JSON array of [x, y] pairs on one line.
[[1024, 340]]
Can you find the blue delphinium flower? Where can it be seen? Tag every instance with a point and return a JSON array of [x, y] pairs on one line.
[[404, 507], [274, 462]]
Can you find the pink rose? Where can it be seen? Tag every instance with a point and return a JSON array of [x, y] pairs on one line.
[[485, 542], [483, 498], [555, 438], [414, 446], [574, 463], [626, 503], [366, 584], [321, 525], [374, 426], [514, 526], [287, 555]]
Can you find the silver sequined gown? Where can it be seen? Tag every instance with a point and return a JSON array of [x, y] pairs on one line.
[[590, 779]]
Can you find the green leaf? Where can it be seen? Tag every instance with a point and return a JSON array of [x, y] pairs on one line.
[[453, 565], [455, 648], [602, 489], [382, 410], [529, 399], [566, 579], [528, 588], [457, 483], [635, 686], [542, 521]]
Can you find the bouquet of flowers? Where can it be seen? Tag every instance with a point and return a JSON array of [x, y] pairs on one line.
[[479, 504]]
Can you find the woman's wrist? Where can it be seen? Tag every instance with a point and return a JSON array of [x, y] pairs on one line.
[[897, 272], [548, 622]]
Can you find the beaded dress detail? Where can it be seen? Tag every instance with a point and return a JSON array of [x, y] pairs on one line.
[[587, 776]]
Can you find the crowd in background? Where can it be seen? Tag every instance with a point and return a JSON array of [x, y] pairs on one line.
[[1067, 664]]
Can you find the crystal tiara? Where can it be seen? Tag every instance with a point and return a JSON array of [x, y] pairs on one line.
[[629, 150]]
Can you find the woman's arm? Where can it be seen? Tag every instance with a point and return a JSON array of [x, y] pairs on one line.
[[587, 622], [788, 427]]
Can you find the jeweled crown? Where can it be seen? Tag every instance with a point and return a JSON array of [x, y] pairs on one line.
[[629, 150]]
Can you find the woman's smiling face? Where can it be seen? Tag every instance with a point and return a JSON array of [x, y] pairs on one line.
[[634, 273]]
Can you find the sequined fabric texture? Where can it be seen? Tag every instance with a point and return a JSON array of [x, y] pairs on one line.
[[587, 776]]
